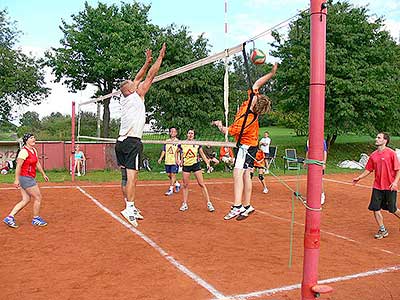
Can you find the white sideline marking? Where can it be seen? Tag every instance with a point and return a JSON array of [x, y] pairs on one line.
[[298, 286], [153, 244]]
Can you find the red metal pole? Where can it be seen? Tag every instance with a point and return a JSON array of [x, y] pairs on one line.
[[316, 148], [73, 142]]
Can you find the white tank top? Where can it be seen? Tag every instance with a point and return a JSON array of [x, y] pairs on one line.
[[133, 116]]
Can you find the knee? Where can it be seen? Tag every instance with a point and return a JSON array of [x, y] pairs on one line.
[[261, 177]]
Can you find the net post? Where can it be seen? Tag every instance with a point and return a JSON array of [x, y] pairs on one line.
[[72, 142], [312, 233]]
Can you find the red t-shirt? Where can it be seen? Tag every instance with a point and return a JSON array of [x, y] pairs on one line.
[[385, 164], [28, 167]]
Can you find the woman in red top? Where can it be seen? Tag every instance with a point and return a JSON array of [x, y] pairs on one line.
[[25, 173], [245, 155]]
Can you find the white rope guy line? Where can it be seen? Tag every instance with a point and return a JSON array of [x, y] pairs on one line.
[[196, 278]]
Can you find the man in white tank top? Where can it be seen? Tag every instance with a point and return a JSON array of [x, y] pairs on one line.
[[129, 146]]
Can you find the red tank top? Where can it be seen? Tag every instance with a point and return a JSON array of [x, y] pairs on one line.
[[28, 167]]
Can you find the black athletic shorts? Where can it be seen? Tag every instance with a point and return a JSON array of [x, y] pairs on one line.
[[383, 199], [193, 168], [129, 153]]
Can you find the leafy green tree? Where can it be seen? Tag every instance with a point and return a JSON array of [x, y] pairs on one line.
[[191, 99], [21, 77], [362, 72], [101, 46]]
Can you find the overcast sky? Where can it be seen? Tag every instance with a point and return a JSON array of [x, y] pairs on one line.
[[39, 20]]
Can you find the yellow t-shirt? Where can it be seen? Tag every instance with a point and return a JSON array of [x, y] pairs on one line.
[[170, 150], [190, 154]]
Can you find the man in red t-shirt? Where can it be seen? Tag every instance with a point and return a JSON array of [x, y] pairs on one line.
[[385, 164]]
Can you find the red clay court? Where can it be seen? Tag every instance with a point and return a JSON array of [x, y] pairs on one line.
[[88, 251]]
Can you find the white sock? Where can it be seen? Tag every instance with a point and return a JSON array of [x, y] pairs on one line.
[[171, 187], [177, 183], [130, 204]]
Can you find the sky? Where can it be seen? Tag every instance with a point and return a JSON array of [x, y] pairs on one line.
[[39, 21]]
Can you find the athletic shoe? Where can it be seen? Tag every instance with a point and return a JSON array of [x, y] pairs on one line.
[[137, 214], [128, 214], [184, 207], [210, 207], [38, 221], [10, 221], [210, 169], [79, 174], [177, 188], [381, 234], [246, 213], [234, 212], [265, 190], [322, 198], [169, 192]]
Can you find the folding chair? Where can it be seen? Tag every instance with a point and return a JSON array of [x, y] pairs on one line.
[[290, 160], [272, 155]]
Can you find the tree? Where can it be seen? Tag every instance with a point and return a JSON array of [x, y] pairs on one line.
[[101, 46], [191, 99], [362, 72], [21, 77]]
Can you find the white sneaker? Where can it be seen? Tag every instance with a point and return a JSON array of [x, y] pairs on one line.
[[79, 174], [177, 188], [322, 198], [246, 213], [169, 192], [210, 207], [234, 212], [128, 214], [184, 207], [265, 190], [137, 214]]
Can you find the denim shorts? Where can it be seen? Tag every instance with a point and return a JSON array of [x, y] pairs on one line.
[[27, 182]]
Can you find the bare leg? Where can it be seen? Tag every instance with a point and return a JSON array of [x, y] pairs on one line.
[[238, 186], [200, 181], [185, 186], [378, 218], [20, 205], [131, 184], [248, 187]]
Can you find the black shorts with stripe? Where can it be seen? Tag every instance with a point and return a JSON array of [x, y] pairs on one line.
[[193, 168], [129, 153], [383, 199]]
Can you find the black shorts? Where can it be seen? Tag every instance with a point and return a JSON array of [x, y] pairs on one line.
[[129, 153], [193, 168], [383, 199], [245, 156]]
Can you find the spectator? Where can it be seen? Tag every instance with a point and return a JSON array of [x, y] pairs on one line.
[[80, 160], [211, 156], [265, 142], [227, 157]]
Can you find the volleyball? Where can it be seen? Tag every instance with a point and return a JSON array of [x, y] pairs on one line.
[[257, 57]]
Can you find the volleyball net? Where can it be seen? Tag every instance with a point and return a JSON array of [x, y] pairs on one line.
[[91, 115]]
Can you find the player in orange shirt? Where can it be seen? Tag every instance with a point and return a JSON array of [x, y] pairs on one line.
[[247, 150], [259, 165]]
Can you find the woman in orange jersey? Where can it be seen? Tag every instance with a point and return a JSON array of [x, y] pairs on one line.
[[259, 166], [247, 150], [25, 173], [187, 156]]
